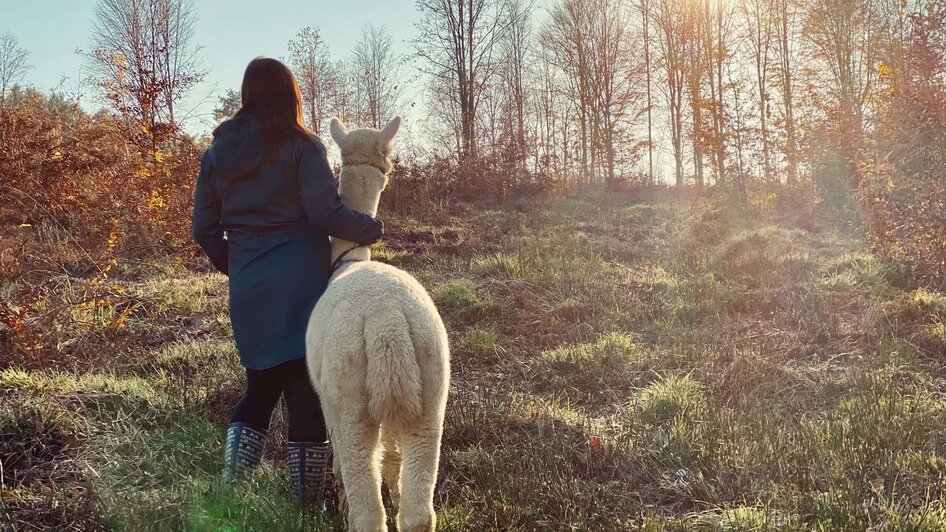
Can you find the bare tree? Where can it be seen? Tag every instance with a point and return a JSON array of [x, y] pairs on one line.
[[589, 41], [14, 63], [564, 37], [670, 19], [492, 127], [344, 96], [760, 24], [378, 70], [717, 16], [786, 31], [143, 58], [738, 129], [612, 80], [514, 48], [445, 125], [645, 9], [312, 65], [690, 27], [554, 112], [845, 36], [179, 60], [457, 43]]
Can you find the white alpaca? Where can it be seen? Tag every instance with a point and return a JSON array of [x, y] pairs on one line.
[[378, 356]]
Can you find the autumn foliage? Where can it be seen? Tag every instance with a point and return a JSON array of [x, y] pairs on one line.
[[903, 184], [89, 177], [81, 195]]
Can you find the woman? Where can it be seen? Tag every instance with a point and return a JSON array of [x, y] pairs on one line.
[[265, 182]]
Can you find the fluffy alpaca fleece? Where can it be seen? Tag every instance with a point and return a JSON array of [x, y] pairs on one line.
[[378, 354]]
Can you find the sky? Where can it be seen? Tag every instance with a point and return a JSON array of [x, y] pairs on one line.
[[229, 34]]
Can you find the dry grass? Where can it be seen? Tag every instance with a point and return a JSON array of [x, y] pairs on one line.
[[617, 367]]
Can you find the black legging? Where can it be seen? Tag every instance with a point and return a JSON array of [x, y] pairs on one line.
[[263, 388]]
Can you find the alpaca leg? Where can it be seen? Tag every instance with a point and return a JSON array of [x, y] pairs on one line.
[[391, 464], [420, 453], [356, 446]]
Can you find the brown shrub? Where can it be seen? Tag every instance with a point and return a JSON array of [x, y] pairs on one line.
[[81, 194], [902, 188], [441, 181], [89, 179]]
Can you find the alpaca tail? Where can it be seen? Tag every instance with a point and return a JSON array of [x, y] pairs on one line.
[[394, 383]]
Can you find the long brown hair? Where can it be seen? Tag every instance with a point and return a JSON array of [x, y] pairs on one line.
[[270, 92]]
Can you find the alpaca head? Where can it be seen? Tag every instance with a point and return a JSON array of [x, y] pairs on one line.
[[366, 163]]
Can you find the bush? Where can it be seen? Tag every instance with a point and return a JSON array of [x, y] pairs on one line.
[[902, 188], [82, 195], [485, 180], [83, 175]]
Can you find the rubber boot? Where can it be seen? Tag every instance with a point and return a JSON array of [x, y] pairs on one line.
[[242, 452], [309, 464]]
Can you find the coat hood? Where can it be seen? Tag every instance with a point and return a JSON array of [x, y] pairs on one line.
[[237, 150]]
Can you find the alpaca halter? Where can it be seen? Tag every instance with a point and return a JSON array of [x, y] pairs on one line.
[[339, 261], [373, 166]]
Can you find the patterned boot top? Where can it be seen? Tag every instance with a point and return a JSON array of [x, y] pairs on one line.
[[243, 451], [308, 466]]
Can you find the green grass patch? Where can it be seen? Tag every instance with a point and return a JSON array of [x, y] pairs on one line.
[[930, 301], [191, 294], [855, 270], [745, 519], [168, 478], [670, 398], [478, 338], [602, 372], [458, 298]]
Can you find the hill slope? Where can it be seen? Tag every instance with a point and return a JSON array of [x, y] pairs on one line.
[[617, 367]]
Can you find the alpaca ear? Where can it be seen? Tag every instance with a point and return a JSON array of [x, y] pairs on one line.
[[387, 134], [339, 131]]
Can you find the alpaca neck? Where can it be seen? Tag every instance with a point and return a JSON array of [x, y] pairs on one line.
[[357, 197], [340, 246]]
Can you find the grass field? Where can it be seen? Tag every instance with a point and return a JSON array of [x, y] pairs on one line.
[[617, 366]]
